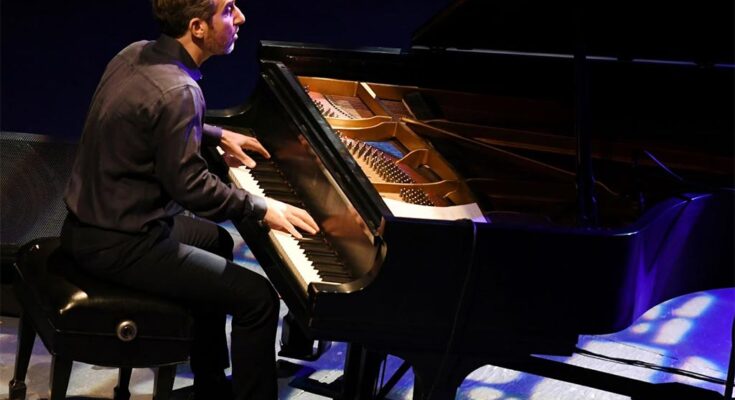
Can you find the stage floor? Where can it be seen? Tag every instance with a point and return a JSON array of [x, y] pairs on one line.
[[686, 340]]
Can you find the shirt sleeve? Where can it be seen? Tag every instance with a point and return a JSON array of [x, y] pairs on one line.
[[183, 172], [211, 135]]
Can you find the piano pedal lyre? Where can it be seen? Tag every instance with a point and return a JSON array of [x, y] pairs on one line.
[[296, 344]]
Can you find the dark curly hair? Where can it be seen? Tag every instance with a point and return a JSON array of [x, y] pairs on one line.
[[173, 16]]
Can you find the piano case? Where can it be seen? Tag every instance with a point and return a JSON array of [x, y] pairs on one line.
[[596, 142]]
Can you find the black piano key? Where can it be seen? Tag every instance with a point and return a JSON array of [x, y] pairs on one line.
[[318, 248], [314, 237], [314, 254], [337, 268], [337, 279], [287, 194], [333, 269], [271, 180], [326, 259]]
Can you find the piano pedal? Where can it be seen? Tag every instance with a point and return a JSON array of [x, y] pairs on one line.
[[296, 344]]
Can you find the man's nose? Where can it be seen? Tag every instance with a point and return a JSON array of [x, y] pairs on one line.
[[239, 16]]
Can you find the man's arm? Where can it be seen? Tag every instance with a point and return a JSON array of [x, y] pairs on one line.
[[185, 176], [183, 173], [211, 135]]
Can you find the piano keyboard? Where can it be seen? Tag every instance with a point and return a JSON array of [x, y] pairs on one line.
[[311, 258]]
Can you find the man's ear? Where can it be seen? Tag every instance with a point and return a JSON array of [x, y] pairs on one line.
[[197, 27]]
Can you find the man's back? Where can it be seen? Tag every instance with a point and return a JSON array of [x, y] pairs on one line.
[[121, 140]]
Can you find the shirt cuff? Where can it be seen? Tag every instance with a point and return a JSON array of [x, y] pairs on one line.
[[211, 135], [259, 207]]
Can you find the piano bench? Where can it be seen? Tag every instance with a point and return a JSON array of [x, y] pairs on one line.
[[80, 318]]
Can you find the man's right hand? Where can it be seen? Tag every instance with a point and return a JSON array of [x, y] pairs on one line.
[[286, 218]]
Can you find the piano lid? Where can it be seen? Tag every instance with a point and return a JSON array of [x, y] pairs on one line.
[[699, 32]]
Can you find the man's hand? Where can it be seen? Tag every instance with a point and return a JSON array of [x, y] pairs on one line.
[[286, 218], [234, 144]]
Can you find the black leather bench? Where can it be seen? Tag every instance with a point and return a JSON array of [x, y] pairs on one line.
[[80, 318]]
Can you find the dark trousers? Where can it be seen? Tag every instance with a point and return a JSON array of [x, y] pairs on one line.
[[190, 260]]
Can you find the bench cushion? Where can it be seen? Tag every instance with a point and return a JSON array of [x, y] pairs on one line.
[[70, 308]]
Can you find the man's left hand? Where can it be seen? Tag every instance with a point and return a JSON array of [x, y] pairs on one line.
[[234, 144]]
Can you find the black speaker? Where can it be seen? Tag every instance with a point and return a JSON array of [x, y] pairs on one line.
[[34, 170]]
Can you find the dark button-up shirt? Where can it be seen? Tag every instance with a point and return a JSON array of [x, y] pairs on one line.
[[139, 157]]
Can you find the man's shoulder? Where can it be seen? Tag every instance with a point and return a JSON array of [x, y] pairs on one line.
[[158, 70], [134, 48]]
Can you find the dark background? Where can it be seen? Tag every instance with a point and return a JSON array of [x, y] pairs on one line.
[[53, 52]]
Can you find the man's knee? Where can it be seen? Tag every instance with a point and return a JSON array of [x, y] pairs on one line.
[[225, 243]]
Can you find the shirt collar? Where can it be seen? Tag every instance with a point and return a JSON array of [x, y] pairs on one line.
[[172, 48]]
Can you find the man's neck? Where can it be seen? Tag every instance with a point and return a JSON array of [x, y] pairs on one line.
[[194, 49]]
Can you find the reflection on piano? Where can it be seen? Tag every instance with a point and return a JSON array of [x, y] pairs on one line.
[[503, 265]]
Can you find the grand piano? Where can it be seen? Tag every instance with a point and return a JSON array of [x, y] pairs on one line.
[[526, 173]]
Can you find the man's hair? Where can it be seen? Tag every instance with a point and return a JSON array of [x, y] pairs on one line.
[[173, 16]]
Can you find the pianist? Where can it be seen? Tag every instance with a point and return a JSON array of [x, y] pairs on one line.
[[139, 165]]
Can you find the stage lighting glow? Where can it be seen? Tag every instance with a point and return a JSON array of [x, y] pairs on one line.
[[694, 307], [701, 366], [625, 350], [494, 375], [673, 331], [641, 328], [653, 313], [486, 393], [549, 389]]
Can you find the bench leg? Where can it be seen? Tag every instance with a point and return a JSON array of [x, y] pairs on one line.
[[163, 382], [60, 373], [123, 382], [26, 337]]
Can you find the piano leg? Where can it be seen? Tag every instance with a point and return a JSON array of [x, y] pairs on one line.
[[358, 382], [361, 372], [437, 377], [297, 344]]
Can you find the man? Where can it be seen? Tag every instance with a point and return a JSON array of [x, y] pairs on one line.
[[139, 165]]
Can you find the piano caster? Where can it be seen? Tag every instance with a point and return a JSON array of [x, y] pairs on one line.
[[295, 343]]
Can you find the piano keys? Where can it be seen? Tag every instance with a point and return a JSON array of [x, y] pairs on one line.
[[311, 258]]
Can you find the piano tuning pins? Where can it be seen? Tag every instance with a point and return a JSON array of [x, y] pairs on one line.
[[306, 88], [386, 168], [415, 196], [360, 149]]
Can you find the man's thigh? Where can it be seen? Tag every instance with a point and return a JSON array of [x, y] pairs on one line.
[[196, 276], [203, 234]]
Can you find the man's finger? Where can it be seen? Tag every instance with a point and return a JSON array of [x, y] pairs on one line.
[[263, 151], [292, 230], [303, 225], [255, 145], [305, 218], [245, 159]]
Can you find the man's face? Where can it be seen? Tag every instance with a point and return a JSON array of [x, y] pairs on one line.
[[222, 32]]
